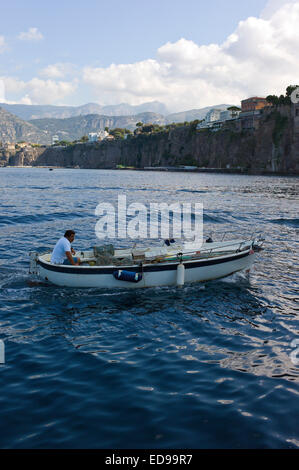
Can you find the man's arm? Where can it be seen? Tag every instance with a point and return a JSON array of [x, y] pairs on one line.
[[70, 258]]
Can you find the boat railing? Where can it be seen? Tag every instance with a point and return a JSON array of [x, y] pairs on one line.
[[254, 235], [211, 251], [206, 251], [221, 250]]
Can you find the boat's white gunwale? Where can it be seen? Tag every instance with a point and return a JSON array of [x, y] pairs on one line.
[[141, 267]]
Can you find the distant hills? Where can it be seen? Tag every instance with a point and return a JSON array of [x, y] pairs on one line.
[[14, 129], [29, 112], [40, 131], [75, 127], [38, 123], [194, 114]]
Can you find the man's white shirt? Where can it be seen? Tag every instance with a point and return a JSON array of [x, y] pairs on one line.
[[58, 255]]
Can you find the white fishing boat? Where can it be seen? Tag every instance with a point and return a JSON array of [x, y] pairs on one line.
[[151, 266]]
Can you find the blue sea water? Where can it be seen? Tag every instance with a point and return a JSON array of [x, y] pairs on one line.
[[205, 366]]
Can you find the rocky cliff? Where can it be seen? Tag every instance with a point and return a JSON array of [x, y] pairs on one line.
[[75, 127], [272, 147], [14, 129], [27, 156]]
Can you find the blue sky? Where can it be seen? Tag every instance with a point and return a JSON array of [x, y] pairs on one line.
[[61, 52], [96, 32]]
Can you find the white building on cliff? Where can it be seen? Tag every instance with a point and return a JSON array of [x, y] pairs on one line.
[[96, 136]]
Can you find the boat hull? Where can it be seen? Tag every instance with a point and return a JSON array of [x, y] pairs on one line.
[[153, 275]]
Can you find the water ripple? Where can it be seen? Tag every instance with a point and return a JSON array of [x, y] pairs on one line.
[[155, 368]]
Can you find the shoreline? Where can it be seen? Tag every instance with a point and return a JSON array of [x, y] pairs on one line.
[[223, 171]]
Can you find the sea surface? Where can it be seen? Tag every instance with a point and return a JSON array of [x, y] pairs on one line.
[[207, 366]]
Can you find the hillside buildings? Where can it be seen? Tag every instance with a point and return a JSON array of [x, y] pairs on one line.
[[252, 109], [213, 115], [253, 104], [96, 136], [216, 117], [245, 118]]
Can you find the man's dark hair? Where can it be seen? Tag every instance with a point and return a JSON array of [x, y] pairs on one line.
[[68, 233]]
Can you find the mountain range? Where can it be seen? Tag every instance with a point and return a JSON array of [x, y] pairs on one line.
[[28, 112], [38, 123], [193, 114], [13, 129], [75, 127]]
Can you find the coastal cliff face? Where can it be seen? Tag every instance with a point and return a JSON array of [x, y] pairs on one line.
[[272, 147], [14, 129], [27, 156]]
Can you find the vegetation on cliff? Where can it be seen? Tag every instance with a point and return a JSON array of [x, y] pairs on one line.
[[282, 99], [281, 123]]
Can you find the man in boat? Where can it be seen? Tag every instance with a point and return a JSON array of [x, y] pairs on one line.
[[63, 251]]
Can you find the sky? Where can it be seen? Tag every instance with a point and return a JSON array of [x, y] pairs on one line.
[[186, 55]]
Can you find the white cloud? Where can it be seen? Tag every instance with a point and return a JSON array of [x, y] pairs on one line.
[[47, 91], [272, 6], [37, 91], [13, 85], [260, 57], [33, 34], [59, 70]]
